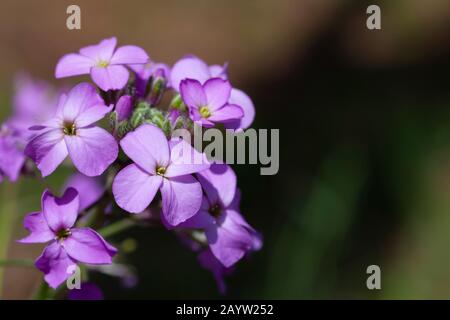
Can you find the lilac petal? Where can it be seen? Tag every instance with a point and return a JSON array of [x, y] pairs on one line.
[[73, 64], [182, 197], [11, 157], [112, 77], [83, 105], [134, 189], [60, 213], [147, 146], [48, 150], [88, 291], [192, 93], [257, 240], [217, 92], [129, 55], [219, 184], [201, 220], [218, 71], [89, 189], [87, 246], [55, 264], [229, 241], [189, 68], [101, 51], [241, 99], [124, 107], [230, 112], [184, 159], [39, 231], [92, 150]]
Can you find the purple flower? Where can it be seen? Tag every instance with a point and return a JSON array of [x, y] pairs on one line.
[[145, 71], [191, 67], [208, 103], [159, 165], [229, 236], [71, 132], [89, 189], [11, 154], [68, 245], [88, 291], [103, 62], [34, 102], [209, 262], [124, 107]]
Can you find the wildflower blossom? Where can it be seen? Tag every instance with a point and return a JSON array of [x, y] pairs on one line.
[[68, 245], [229, 236], [105, 64], [208, 103], [71, 132], [191, 67], [11, 154], [159, 165]]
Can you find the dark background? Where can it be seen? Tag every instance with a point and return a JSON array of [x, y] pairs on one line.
[[364, 119]]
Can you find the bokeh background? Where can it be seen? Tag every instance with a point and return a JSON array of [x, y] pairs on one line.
[[364, 119]]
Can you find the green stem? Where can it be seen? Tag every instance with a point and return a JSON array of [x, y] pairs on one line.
[[116, 227], [8, 214], [16, 263]]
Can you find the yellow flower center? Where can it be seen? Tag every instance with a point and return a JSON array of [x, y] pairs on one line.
[[69, 128], [103, 63], [204, 112], [160, 171]]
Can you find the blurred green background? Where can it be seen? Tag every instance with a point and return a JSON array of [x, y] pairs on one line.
[[364, 119]]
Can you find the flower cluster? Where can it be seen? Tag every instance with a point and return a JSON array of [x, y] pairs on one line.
[[131, 162]]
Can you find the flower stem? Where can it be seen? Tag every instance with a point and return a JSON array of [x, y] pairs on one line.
[[116, 227]]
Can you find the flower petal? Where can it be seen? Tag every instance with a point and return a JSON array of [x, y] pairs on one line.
[[129, 55], [12, 157], [73, 64], [134, 189], [101, 51], [84, 105], [87, 246], [217, 92], [229, 241], [147, 146], [184, 159], [55, 264], [218, 71], [124, 107], [92, 150], [89, 189], [189, 68], [182, 197], [47, 150], [112, 77], [60, 213], [39, 231], [241, 99], [230, 112], [219, 184], [192, 93]]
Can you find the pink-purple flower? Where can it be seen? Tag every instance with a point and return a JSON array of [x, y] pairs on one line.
[[191, 67], [67, 245], [12, 158], [103, 62], [208, 103], [159, 165], [229, 236], [72, 132]]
